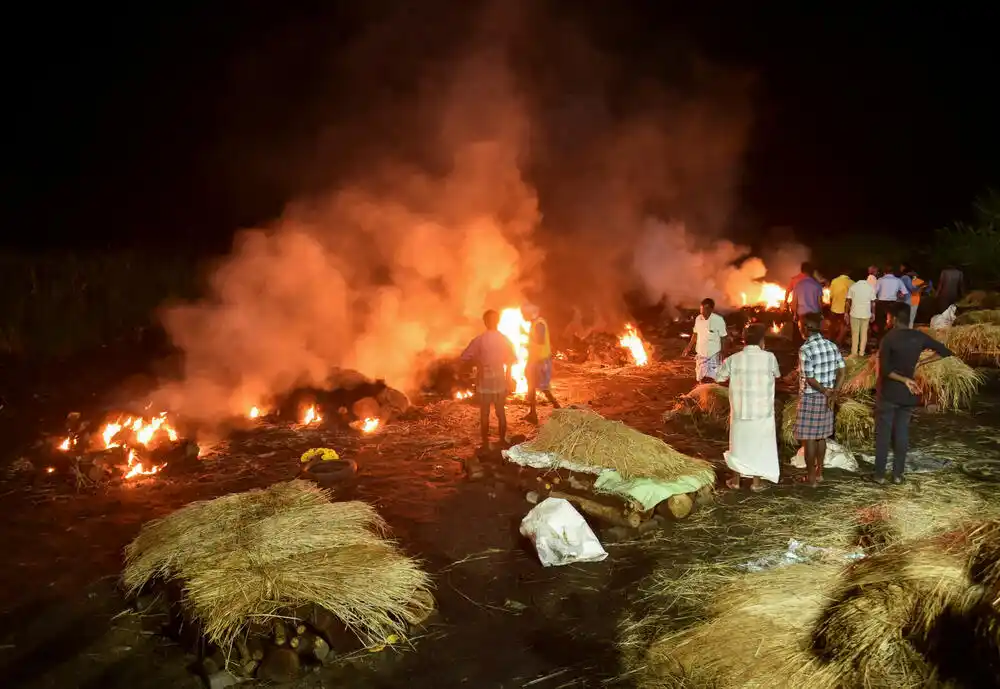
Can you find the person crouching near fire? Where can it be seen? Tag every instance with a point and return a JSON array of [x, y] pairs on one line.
[[821, 373], [708, 339], [493, 356], [539, 367], [753, 440]]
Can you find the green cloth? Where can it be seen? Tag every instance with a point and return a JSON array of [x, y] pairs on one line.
[[650, 492]]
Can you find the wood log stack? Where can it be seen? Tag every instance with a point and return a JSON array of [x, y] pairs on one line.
[[578, 488], [278, 650]]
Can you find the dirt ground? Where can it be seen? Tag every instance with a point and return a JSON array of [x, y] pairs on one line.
[[504, 620]]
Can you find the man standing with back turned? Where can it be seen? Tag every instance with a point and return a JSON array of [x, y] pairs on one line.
[[493, 355], [896, 391], [821, 373], [539, 368]]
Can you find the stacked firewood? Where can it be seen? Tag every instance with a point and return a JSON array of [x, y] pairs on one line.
[[278, 650]]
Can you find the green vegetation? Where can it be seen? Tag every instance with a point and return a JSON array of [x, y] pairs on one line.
[[59, 304], [974, 246]]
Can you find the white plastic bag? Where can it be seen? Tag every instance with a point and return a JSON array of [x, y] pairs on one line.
[[836, 458], [560, 534], [945, 319]]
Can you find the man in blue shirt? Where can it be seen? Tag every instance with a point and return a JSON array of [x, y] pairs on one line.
[[889, 290], [807, 297]]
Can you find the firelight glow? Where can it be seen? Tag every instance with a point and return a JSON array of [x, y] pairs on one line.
[[463, 394], [516, 329], [311, 416], [254, 412]]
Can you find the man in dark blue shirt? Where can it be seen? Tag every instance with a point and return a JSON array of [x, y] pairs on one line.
[[897, 393]]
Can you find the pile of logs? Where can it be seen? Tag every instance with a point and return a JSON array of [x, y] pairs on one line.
[[387, 405], [578, 488], [278, 650]]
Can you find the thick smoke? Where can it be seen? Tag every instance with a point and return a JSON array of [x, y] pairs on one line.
[[441, 215]]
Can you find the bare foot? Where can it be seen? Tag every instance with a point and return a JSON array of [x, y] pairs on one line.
[[733, 483]]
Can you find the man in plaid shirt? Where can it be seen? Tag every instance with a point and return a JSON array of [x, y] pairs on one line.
[[821, 373], [753, 444]]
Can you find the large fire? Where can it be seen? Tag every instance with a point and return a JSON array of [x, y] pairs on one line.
[[311, 416], [133, 434], [633, 343], [516, 329], [773, 296]]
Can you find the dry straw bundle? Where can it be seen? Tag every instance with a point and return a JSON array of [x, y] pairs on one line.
[[978, 342], [894, 619], [861, 375], [980, 299], [711, 399], [247, 558], [855, 422], [583, 436], [983, 316], [950, 383]]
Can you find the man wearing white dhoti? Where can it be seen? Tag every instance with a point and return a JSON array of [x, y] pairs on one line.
[[753, 442]]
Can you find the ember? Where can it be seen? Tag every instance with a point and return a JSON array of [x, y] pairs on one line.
[[368, 425], [133, 434], [463, 394], [633, 343], [516, 329]]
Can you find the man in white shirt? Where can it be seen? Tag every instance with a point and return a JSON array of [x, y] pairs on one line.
[[708, 338], [753, 444], [861, 307], [888, 290]]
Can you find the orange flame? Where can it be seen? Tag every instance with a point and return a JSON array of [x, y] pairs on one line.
[[127, 432], [311, 416], [136, 468], [369, 425], [253, 413], [776, 328], [463, 394], [516, 329], [826, 295], [633, 343], [65, 444]]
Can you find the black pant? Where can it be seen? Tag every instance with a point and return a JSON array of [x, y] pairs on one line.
[[881, 323], [892, 426]]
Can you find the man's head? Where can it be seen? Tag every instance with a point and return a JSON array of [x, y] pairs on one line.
[[810, 323], [707, 307], [529, 312], [873, 270], [754, 334], [807, 268], [492, 319], [900, 312], [889, 270]]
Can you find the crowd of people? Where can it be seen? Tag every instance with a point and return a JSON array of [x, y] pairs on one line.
[[880, 309]]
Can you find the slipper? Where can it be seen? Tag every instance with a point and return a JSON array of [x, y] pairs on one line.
[[759, 489]]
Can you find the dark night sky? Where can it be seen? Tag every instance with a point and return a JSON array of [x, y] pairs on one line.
[[133, 128]]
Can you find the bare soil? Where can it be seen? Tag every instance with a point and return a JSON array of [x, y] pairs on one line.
[[504, 620]]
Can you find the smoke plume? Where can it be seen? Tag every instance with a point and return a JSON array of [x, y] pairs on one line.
[[529, 169]]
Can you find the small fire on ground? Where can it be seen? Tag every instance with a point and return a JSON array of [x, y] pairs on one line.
[[134, 434], [772, 296], [634, 344], [463, 394], [366, 426], [311, 416]]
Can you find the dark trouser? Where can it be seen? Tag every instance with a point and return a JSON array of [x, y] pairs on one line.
[[892, 426], [881, 323]]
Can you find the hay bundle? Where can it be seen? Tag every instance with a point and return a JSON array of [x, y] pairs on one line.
[[878, 623], [252, 557], [855, 422], [980, 299], [583, 436], [711, 399], [861, 375], [982, 316], [980, 341], [950, 383]]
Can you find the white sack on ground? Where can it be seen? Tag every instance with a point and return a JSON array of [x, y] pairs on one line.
[[560, 534], [836, 458]]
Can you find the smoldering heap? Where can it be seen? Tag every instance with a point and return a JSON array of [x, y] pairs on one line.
[[268, 582]]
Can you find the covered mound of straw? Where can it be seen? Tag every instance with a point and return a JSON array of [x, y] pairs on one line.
[[893, 619], [586, 437], [710, 398], [980, 299], [980, 316], [950, 383], [250, 557], [854, 425]]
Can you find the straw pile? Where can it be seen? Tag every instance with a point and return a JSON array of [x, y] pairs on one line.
[[253, 557], [894, 619], [854, 425], [981, 316], [585, 437], [861, 375], [980, 341], [711, 399], [950, 383], [980, 299]]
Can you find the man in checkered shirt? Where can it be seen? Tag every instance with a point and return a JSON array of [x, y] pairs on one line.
[[821, 373], [753, 443]]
